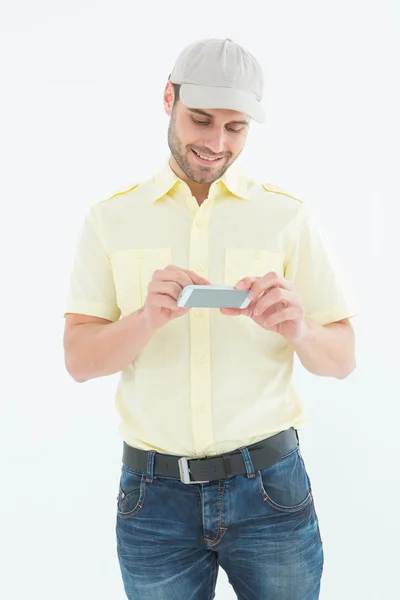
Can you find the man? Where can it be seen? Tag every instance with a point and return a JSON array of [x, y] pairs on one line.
[[212, 471]]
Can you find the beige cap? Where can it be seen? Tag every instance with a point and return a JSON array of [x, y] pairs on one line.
[[217, 73]]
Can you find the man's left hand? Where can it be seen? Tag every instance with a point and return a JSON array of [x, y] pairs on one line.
[[275, 306]]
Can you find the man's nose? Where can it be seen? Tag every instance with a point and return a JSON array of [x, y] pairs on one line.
[[215, 142]]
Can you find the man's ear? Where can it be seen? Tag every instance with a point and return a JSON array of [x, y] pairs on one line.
[[169, 96]]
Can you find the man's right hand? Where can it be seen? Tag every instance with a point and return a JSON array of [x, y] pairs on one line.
[[163, 291]]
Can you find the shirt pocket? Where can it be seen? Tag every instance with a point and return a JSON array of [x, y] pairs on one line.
[[133, 270], [251, 262]]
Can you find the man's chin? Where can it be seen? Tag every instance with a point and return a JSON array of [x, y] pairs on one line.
[[205, 179], [206, 175]]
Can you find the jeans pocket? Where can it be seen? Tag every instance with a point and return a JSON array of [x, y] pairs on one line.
[[286, 486], [132, 491]]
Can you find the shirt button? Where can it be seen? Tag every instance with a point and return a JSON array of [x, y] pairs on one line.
[[199, 313], [200, 359], [258, 255], [200, 267], [201, 408], [139, 254]]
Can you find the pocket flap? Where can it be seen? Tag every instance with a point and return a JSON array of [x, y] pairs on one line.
[[133, 270], [251, 262]]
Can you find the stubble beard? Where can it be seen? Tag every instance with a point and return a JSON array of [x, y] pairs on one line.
[[200, 174]]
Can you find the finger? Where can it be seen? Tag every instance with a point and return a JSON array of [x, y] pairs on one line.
[[188, 272], [246, 284], [178, 273], [264, 283], [237, 311], [288, 314], [276, 296], [159, 300], [181, 278], [233, 312], [269, 311], [198, 279], [168, 288]]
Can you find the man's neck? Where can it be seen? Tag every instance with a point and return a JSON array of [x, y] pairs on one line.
[[198, 190]]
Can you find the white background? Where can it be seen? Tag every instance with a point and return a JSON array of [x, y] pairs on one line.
[[81, 115]]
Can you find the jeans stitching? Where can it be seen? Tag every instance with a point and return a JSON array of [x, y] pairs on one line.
[[138, 506], [221, 529], [269, 500]]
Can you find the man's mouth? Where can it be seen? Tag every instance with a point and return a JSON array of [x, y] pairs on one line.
[[207, 160]]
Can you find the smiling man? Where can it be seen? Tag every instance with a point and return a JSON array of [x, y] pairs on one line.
[[199, 156], [212, 471]]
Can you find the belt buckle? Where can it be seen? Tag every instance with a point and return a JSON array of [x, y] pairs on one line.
[[185, 471]]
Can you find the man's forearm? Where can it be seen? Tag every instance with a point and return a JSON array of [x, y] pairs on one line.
[[99, 350], [327, 350]]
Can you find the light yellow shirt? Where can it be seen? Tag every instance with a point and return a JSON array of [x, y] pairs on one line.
[[206, 383]]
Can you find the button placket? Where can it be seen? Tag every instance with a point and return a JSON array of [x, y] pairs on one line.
[[200, 336]]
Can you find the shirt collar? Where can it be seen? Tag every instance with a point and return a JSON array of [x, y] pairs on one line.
[[233, 179]]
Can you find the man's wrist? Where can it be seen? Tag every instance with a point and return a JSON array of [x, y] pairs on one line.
[[145, 324], [307, 336]]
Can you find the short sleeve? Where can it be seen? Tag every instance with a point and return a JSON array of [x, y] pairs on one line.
[[91, 285], [313, 268]]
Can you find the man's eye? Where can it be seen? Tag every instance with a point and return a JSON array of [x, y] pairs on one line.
[[207, 123]]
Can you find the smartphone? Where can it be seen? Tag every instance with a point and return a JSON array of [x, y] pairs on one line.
[[213, 296]]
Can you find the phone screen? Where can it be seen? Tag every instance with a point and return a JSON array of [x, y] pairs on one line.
[[216, 298]]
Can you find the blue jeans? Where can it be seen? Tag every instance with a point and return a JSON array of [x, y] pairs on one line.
[[260, 527]]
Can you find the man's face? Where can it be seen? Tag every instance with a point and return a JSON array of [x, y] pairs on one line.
[[217, 135]]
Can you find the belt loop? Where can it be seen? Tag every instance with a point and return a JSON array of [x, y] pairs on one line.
[[297, 435], [150, 466], [248, 463], [227, 465]]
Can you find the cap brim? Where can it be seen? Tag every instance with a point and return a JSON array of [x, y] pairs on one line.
[[202, 96]]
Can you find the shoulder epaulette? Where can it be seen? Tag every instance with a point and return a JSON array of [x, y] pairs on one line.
[[120, 193], [270, 187]]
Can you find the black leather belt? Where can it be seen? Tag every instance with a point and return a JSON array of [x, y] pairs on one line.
[[263, 454]]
